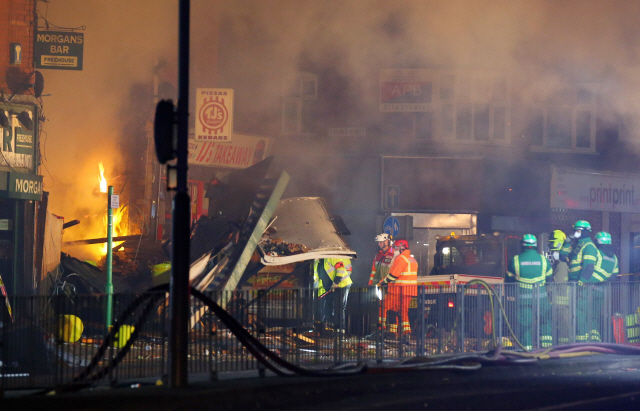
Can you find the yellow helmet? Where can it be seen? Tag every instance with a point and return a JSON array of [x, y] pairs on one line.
[[556, 239]]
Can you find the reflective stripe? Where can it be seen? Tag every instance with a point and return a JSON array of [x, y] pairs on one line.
[[535, 280]]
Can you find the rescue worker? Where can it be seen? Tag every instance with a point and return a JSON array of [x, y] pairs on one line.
[[529, 269], [559, 291], [583, 255], [332, 279], [383, 259], [605, 268], [403, 287]]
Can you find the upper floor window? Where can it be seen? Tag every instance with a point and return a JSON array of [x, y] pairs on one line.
[[474, 107], [565, 122], [299, 104], [465, 107]]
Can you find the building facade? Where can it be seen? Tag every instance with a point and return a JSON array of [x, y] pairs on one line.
[[21, 190]]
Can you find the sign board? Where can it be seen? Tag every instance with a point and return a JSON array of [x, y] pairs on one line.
[[59, 50], [406, 90], [23, 186], [114, 201], [392, 197], [214, 114], [391, 226], [6, 224], [243, 152], [588, 190]]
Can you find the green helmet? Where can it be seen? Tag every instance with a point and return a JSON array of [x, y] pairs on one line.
[[603, 238], [529, 240], [556, 239], [582, 225]]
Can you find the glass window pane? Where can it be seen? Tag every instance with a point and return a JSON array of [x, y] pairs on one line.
[[424, 125], [499, 123], [481, 122], [559, 128], [534, 130], [463, 122], [583, 129]]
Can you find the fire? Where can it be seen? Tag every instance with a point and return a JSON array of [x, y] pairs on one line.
[[101, 179], [120, 226], [120, 215]]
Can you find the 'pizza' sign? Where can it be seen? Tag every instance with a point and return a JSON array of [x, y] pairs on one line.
[[214, 110]]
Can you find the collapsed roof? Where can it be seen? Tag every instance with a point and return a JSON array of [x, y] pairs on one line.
[[302, 229]]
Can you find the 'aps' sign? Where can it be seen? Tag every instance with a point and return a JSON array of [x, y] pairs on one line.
[[60, 50]]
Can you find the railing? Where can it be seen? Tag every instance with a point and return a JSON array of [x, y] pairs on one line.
[[44, 345]]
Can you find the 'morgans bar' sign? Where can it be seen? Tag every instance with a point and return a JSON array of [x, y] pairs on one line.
[[60, 50], [243, 152]]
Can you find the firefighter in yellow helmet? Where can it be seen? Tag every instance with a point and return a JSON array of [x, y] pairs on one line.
[[332, 279], [559, 290]]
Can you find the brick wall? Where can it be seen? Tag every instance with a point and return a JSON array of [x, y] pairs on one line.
[[16, 26]]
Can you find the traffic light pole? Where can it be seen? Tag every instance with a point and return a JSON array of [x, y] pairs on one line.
[[179, 284]]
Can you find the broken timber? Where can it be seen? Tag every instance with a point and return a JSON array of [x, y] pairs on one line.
[[100, 240]]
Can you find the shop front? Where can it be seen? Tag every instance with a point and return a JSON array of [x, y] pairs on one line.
[[608, 201], [19, 194]]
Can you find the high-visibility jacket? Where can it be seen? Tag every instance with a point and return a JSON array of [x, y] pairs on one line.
[[529, 268], [560, 291], [381, 265], [403, 273], [338, 270], [565, 251], [606, 267], [584, 254]]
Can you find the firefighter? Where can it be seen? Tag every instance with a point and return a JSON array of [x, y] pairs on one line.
[[403, 287], [383, 259], [605, 268], [332, 279], [559, 292], [527, 269], [583, 256]]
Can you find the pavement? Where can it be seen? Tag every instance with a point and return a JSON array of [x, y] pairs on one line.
[[598, 382]]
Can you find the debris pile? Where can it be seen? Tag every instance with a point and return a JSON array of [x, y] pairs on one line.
[[277, 247]]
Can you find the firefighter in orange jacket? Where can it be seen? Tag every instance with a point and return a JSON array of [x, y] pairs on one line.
[[403, 286]]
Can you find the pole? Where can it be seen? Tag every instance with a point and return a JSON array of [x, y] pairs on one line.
[[109, 286], [179, 284]]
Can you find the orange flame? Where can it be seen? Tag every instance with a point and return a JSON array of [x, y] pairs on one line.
[[102, 180], [119, 227]]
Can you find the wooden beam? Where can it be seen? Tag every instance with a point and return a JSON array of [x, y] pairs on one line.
[[100, 240]]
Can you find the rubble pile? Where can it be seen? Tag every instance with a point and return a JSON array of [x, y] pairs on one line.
[[132, 262], [278, 247]]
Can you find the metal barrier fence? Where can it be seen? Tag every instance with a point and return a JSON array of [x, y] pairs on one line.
[[44, 345]]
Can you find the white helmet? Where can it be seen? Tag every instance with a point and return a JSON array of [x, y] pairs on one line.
[[382, 237]]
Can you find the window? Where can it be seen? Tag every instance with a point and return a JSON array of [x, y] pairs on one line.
[[299, 104], [472, 107], [566, 122]]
